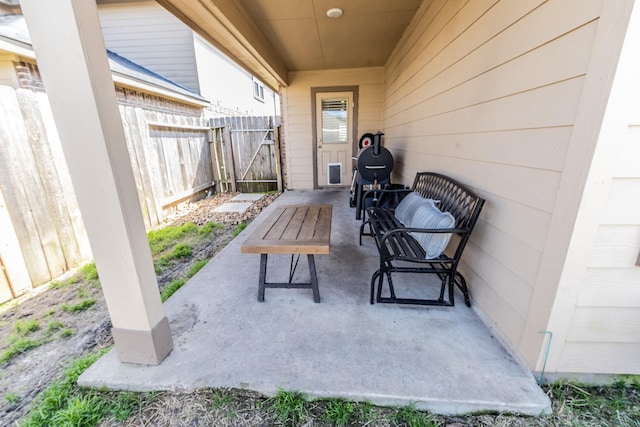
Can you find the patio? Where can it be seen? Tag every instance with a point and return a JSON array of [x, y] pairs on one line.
[[441, 359]]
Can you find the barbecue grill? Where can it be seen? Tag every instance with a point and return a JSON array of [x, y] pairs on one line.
[[372, 170]]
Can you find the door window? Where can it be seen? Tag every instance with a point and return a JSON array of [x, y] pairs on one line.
[[335, 121]]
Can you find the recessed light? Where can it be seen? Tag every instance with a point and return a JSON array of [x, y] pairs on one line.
[[334, 13]]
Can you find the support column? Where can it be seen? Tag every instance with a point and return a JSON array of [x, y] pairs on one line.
[[69, 46]]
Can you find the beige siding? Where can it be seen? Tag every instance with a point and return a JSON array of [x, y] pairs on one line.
[[147, 34], [227, 85], [489, 93], [597, 318], [298, 120], [7, 71]]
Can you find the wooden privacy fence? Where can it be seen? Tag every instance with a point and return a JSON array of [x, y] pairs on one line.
[[176, 155], [170, 158], [246, 154], [39, 216]]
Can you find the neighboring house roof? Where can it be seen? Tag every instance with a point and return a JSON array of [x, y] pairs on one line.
[[14, 37]]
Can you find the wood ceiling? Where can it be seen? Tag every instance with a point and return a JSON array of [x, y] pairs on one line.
[[272, 37], [307, 39]]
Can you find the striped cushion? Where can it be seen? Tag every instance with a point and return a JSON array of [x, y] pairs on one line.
[[427, 215], [408, 206]]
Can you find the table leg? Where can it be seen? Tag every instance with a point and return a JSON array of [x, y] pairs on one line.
[[314, 278], [263, 277]]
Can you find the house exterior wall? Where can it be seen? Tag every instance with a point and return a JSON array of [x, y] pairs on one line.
[[296, 100], [146, 33], [490, 94], [7, 70], [229, 86], [596, 315], [149, 35]]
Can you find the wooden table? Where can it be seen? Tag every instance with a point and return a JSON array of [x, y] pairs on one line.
[[300, 229]]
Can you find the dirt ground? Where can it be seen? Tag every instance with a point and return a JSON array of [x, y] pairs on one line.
[[64, 333]]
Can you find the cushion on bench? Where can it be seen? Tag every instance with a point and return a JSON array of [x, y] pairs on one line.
[[427, 215], [408, 206]]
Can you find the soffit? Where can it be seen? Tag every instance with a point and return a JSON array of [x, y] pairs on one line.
[[271, 37], [307, 39]]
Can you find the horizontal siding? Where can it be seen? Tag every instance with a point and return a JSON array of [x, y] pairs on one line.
[[627, 165], [603, 334], [616, 358], [611, 287], [7, 72], [623, 206], [616, 246], [477, 91], [147, 34], [605, 324], [299, 122], [508, 322]]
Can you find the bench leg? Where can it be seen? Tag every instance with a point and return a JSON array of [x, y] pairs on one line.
[[263, 277], [462, 285], [373, 286]]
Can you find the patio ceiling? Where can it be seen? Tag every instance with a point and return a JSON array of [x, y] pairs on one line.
[[272, 37]]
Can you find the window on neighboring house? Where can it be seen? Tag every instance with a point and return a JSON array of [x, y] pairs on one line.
[[258, 90]]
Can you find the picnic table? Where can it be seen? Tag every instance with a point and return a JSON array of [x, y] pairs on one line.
[[296, 230]]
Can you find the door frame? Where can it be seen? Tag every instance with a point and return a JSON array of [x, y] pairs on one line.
[[314, 131]]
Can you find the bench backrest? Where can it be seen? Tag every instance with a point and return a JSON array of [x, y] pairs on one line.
[[455, 198]]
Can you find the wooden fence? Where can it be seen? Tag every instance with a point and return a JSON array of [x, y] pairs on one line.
[[176, 155], [247, 154], [41, 231]]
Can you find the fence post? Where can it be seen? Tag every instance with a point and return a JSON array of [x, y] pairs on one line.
[[276, 144]]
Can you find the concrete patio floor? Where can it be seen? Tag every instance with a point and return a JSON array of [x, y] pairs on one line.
[[441, 359]]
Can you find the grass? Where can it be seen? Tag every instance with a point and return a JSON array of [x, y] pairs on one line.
[[171, 288], [160, 240], [81, 306], [239, 229], [70, 281], [196, 266], [89, 272], [618, 403], [12, 397], [340, 412], [63, 403], [411, 417], [18, 346], [175, 242], [288, 407], [208, 228], [54, 326], [66, 332], [19, 341], [25, 327]]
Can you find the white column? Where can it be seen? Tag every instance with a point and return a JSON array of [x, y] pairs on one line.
[[72, 59]]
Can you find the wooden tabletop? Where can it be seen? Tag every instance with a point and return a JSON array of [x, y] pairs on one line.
[[299, 229]]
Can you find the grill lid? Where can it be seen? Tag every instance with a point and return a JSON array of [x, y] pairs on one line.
[[372, 167]]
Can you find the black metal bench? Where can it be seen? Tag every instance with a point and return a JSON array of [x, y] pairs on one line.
[[399, 250]]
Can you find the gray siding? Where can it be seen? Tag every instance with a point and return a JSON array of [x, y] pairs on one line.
[[147, 34]]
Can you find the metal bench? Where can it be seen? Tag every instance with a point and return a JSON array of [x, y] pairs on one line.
[[398, 248]]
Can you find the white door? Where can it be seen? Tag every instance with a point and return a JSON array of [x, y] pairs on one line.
[[334, 138]]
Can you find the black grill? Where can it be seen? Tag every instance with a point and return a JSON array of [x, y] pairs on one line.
[[375, 167], [372, 170]]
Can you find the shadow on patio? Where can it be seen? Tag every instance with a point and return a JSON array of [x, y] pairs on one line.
[[441, 359]]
